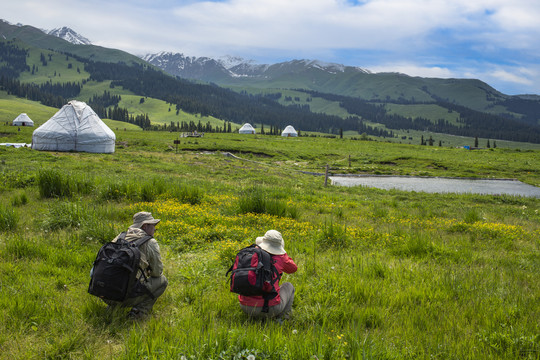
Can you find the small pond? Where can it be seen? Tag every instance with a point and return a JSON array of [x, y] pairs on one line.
[[441, 185]]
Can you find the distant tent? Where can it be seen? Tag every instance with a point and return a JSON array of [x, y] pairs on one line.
[[246, 129], [289, 132], [75, 127], [23, 120]]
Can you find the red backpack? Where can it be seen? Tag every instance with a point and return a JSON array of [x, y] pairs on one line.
[[253, 274]]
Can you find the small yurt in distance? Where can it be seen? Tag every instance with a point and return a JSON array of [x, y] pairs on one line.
[[246, 129], [289, 132], [23, 120], [75, 127]]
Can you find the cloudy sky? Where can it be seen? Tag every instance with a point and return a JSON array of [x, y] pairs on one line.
[[497, 41]]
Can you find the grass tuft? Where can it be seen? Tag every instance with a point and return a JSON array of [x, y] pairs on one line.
[[8, 219]]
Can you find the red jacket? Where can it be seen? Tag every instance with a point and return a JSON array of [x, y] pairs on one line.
[[283, 264]]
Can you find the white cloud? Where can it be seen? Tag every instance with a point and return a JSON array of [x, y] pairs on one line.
[[506, 76], [414, 70], [403, 32]]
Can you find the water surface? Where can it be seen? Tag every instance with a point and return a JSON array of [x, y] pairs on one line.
[[441, 185]]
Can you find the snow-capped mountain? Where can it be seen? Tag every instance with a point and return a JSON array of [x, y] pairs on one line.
[[69, 35], [188, 67], [230, 67]]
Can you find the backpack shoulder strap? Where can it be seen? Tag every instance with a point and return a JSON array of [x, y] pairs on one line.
[[141, 241], [121, 237]]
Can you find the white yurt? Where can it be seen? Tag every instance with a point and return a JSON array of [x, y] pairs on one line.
[[23, 120], [75, 127], [246, 129], [289, 132]]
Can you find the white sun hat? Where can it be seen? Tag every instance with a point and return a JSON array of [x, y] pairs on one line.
[[272, 242], [143, 217]]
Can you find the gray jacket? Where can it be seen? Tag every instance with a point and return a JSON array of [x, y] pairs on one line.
[[150, 253]]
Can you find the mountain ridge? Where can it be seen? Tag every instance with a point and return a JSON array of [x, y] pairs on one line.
[[316, 75], [178, 64], [69, 35], [41, 39], [303, 88]]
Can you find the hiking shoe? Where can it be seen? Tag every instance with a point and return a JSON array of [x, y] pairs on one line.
[[135, 314]]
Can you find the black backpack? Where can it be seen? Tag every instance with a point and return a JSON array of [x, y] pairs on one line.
[[114, 275], [253, 273]]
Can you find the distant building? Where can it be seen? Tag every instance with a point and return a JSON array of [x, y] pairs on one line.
[[75, 127], [289, 132], [23, 120], [246, 129]]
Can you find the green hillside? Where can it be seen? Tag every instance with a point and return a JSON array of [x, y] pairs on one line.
[[162, 112], [381, 86], [59, 68], [394, 107], [37, 38], [11, 107]]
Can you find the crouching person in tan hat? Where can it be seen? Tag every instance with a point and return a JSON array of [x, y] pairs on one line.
[[280, 306], [155, 282]]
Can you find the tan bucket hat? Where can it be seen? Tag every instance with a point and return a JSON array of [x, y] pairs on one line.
[[143, 217], [272, 242]]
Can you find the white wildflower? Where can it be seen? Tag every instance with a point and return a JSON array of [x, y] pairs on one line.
[[295, 331], [251, 357]]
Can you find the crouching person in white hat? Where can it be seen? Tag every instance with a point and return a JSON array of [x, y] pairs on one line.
[[155, 282], [281, 305]]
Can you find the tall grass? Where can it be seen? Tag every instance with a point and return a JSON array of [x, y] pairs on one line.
[[333, 235], [186, 193], [19, 199], [8, 218], [257, 201], [64, 214], [54, 183], [381, 274]]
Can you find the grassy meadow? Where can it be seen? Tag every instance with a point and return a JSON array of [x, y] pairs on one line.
[[381, 274]]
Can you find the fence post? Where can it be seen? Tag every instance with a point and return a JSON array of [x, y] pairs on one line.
[[326, 176]]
